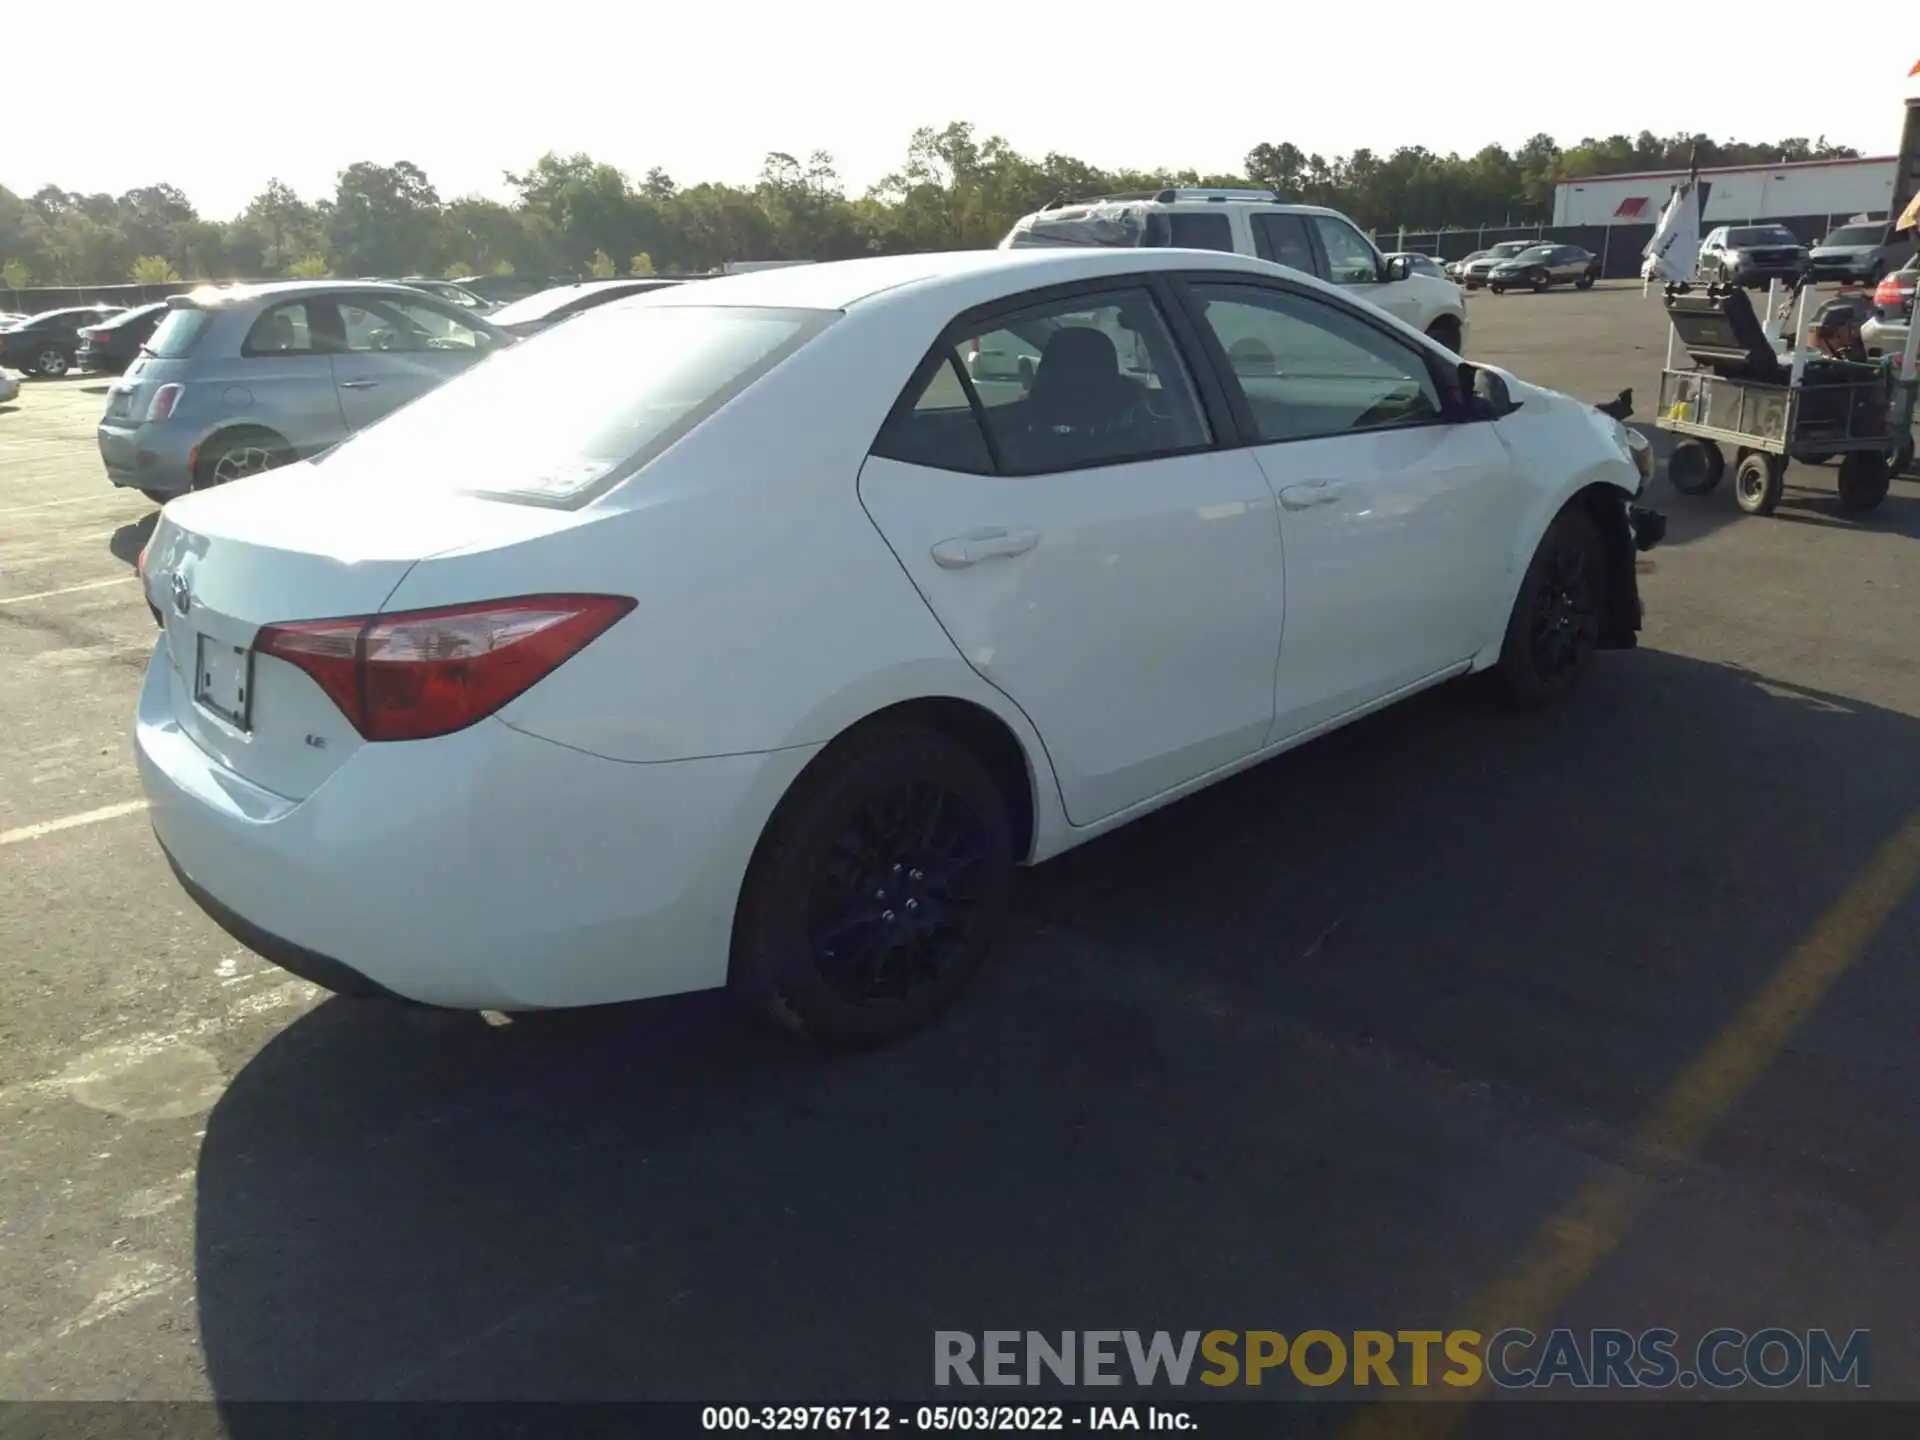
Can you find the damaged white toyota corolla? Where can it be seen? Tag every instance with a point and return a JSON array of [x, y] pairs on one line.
[[748, 633]]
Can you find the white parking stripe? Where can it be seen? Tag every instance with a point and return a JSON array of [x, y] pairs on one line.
[[69, 822], [69, 590], [75, 500]]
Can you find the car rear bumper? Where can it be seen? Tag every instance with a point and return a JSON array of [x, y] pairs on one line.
[[147, 457], [487, 869]]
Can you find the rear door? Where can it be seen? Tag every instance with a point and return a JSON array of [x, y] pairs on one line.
[[395, 349], [1086, 544]]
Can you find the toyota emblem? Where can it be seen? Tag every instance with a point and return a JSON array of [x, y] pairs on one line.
[[182, 593]]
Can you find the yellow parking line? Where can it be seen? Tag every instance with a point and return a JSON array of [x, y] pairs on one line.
[[1566, 1251]]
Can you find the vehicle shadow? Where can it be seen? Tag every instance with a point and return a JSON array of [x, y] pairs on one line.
[[128, 541], [1301, 1047]]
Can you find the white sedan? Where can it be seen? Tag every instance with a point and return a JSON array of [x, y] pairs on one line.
[[742, 634]]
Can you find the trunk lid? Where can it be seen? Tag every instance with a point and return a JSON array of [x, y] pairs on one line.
[[301, 543]]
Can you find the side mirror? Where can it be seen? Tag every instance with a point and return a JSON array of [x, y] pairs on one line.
[[1026, 370], [1487, 394], [1400, 267]]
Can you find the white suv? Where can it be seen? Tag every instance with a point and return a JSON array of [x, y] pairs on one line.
[[1310, 238]]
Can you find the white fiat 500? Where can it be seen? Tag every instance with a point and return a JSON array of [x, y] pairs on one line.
[[749, 633]]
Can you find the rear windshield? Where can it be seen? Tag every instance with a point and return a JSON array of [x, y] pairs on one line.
[[540, 306], [558, 418], [1762, 235], [1857, 235], [176, 334]]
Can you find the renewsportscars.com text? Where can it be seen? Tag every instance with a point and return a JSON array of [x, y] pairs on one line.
[[1513, 1359]]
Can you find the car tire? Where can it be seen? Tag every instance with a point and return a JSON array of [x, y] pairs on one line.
[[1554, 629], [1445, 331], [50, 362], [877, 891], [1497, 289], [238, 454], [1543, 282], [1585, 282], [1696, 467], [158, 497], [1864, 477], [1759, 480]]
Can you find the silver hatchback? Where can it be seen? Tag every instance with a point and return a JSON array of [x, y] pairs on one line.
[[241, 379]]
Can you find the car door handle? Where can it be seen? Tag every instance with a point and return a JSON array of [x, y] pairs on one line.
[[358, 384], [977, 545], [1305, 497]]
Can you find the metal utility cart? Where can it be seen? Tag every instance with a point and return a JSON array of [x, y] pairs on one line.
[[1773, 407]]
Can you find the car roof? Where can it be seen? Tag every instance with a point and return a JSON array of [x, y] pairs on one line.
[[222, 297], [841, 284]]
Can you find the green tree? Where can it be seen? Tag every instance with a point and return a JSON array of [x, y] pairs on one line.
[[641, 264], [309, 267], [601, 266], [153, 270], [386, 220], [15, 275]]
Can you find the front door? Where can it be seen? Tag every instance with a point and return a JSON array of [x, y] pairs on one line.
[[1396, 521], [1086, 547], [393, 350]]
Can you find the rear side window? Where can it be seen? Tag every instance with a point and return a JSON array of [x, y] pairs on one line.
[[178, 332], [1283, 240], [282, 330], [1200, 232], [941, 430]]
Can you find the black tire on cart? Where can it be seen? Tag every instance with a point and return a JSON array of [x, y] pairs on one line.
[[1759, 481], [1815, 457], [1696, 467], [1864, 476]]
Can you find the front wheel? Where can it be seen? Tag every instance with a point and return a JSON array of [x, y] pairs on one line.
[[877, 891], [1759, 482], [1542, 282], [51, 363], [1445, 331], [1555, 625], [1498, 289]]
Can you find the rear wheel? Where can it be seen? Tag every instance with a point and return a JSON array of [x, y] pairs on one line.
[[877, 890], [50, 362], [1555, 626], [1696, 467], [238, 454], [1864, 476], [1585, 282]]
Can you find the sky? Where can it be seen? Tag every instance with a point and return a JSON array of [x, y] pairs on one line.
[[218, 97]]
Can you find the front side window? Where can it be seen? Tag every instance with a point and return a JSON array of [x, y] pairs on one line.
[[1309, 369], [382, 323], [1350, 259], [1086, 380], [281, 330]]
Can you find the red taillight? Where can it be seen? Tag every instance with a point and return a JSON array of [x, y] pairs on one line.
[[421, 673], [1888, 291], [140, 565], [165, 400]]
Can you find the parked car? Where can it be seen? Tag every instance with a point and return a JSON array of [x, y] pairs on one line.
[[1861, 254], [114, 344], [1308, 238], [1421, 264], [453, 291], [48, 344], [247, 378], [1541, 267], [1752, 255], [562, 302], [9, 319], [427, 717], [504, 289], [1475, 269]]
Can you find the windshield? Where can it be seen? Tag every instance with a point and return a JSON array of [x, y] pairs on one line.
[[1538, 252], [1856, 235], [1762, 235], [559, 417], [1507, 249], [176, 334]]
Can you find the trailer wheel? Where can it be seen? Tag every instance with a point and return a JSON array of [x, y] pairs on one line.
[[1864, 476], [1759, 482], [1696, 467], [1815, 457]]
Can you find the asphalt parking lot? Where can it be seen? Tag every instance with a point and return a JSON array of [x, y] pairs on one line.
[[1606, 1017]]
